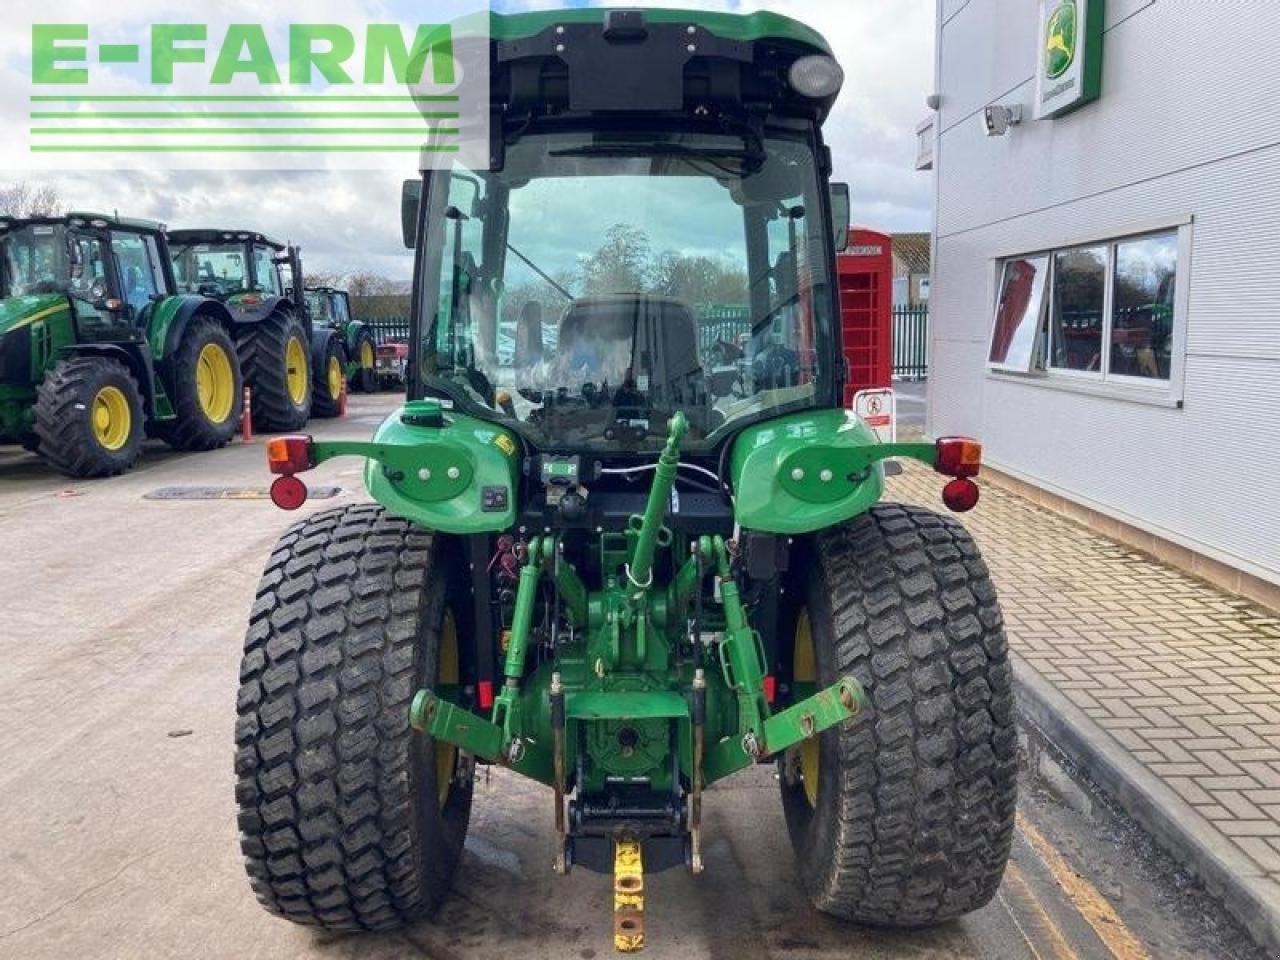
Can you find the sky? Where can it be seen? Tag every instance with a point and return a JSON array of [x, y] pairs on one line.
[[347, 221]]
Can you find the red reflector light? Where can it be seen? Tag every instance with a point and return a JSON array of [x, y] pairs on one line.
[[484, 690], [289, 455], [958, 457], [288, 493], [770, 688], [960, 495]]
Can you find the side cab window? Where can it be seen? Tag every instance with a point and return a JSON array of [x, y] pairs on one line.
[[266, 276], [137, 271]]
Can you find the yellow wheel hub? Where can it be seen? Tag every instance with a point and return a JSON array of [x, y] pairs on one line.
[[333, 375], [446, 672], [366, 355], [804, 669], [295, 365], [215, 383], [111, 418]]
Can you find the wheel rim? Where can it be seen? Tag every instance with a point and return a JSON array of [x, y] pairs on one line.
[[804, 669], [111, 418], [215, 383], [446, 672], [334, 377], [295, 362], [366, 355]]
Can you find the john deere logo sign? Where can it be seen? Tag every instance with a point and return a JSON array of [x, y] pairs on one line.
[[1070, 71], [1060, 40]]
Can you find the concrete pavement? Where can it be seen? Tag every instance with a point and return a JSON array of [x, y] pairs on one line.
[[121, 622]]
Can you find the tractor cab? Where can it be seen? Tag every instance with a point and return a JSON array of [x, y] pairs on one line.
[[248, 271], [110, 270], [654, 238], [328, 307]]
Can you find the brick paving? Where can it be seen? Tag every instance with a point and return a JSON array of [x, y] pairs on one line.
[[1183, 676]]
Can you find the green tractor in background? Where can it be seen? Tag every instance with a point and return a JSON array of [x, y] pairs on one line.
[[98, 348], [595, 564], [330, 309], [292, 368]]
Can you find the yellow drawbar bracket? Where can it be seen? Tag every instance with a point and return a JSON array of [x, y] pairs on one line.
[[628, 897]]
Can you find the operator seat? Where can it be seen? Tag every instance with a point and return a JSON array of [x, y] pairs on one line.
[[647, 343]]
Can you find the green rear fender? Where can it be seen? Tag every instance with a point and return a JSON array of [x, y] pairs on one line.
[[810, 471], [459, 477]]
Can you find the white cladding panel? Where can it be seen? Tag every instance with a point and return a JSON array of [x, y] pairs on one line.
[[1185, 129]]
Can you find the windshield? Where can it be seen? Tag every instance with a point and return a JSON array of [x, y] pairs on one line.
[[36, 260], [318, 304], [48, 258], [595, 286], [211, 269]]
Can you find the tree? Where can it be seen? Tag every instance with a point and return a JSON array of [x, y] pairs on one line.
[[367, 284], [23, 199], [699, 279], [621, 265]]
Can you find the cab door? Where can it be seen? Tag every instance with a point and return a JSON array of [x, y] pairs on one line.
[[139, 275], [94, 290]]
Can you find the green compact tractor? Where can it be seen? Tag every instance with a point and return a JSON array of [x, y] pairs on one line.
[[282, 354], [330, 309], [97, 349], [600, 567]]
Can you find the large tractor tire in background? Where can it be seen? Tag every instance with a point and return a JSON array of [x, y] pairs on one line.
[[364, 359], [88, 417], [349, 820], [329, 370], [276, 361], [208, 389], [903, 817]]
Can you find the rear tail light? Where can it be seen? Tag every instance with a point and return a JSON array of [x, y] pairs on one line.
[[960, 495], [958, 457], [289, 455], [288, 492]]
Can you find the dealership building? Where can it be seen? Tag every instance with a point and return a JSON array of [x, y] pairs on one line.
[[1105, 296]]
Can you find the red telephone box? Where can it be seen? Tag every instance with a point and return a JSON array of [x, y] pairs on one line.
[[865, 275]]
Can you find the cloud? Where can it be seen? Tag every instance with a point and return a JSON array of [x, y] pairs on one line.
[[349, 220]]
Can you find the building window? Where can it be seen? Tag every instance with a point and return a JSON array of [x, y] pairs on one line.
[[1016, 334], [1102, 312], [1078, 306], [1146, 275]]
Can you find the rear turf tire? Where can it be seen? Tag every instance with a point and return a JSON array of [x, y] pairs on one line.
[[343, 823], [326, 399], [208, 389], [88, 417], [276, 360], [914, 806]]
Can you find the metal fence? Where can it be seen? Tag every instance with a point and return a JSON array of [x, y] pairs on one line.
[[911, 343], [388, 328], [910, 334]]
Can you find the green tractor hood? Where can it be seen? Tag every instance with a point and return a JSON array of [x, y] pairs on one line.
[[18, 312]]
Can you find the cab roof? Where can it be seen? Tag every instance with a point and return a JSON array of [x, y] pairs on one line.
[[213, 235], [85, 218], [749, 27]]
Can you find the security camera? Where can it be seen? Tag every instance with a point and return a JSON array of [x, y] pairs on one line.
[[997, 119], [933, 101]]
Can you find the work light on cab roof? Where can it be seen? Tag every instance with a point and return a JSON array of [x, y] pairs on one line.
[[626, 540]]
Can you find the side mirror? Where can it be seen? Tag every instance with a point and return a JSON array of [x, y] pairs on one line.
[[841, 215], [410, 198]]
